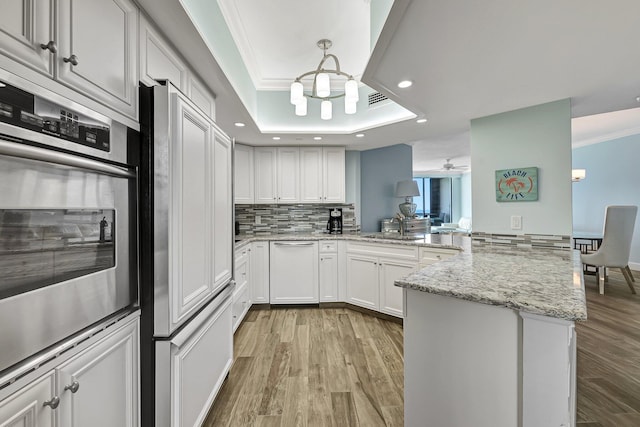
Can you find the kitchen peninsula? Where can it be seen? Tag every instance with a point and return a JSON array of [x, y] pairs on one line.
[[489, 338]]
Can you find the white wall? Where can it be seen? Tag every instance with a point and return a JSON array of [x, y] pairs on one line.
[[465, 195], [537, 136]]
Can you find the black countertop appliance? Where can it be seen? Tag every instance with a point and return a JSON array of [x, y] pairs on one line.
[[334, 225]]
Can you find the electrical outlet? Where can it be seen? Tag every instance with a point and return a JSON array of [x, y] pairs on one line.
[[516, 222], [258, 219]]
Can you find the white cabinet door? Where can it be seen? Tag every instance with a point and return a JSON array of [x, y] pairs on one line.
[[241, 304], [391, 299], [333, 174], [193, 366], [222, 211], [243, 174], [191, 237], [25, 408], [202, 97], [25, 25], [99, 387], [101, 37], [265, 174], [158, 60], [362, 281], [259, 272], [311, 175], [328, 277], [288, 167], [293, 272]]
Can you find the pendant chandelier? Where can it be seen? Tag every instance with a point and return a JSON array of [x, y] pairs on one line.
[[322, 87]]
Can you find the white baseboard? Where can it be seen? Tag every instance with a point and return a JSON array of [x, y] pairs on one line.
[[634, 266]]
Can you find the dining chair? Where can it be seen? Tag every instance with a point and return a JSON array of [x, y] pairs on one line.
[[619, 222]]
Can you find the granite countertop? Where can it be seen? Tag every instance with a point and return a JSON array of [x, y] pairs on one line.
[[538, 281], [444, 241]]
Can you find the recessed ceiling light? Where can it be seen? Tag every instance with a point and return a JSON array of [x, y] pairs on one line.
[[405, 84], [317, 138], [359, 135], [276, 138], [239, 124], [638, 98], [421, 121]]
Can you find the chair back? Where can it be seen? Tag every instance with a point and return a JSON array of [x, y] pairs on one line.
[[618, 231]]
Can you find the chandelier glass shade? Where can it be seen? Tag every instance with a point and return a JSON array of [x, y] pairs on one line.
[[322, 87]]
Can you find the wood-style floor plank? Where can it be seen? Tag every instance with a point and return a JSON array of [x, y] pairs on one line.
[[334, 367]]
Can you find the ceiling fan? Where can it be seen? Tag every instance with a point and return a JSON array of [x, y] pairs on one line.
[[448, 166]]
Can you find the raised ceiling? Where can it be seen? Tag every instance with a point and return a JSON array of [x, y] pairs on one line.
[[466, 59]]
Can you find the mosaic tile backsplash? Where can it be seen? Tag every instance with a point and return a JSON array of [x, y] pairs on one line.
[[523, 240], [283, 219]]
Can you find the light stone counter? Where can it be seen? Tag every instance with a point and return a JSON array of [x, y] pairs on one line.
[[537, 281]]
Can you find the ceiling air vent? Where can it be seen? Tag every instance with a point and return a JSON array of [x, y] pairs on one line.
[[376, 97]]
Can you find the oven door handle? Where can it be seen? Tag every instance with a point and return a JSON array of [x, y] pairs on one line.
[[35, 153]]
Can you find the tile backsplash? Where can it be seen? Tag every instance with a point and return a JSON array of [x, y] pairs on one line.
[[284, 219], [523, 240]]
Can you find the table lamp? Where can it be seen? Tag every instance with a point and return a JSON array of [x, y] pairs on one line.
[[407, 189]]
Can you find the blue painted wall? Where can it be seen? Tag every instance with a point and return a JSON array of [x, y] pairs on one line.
[[380, 170], [612, 179]]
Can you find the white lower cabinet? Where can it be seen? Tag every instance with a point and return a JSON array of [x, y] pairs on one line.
[[242, 293], [294, 272], [328, 270], [372, 271], [98, 387], [191, 368], [259, 260], [26, 408]]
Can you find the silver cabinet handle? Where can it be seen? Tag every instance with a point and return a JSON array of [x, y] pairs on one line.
[[51, 46], [72, 59], [53, 403], [73, 387]]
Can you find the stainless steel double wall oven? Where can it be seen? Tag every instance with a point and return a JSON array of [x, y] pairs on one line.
[[68, 220]]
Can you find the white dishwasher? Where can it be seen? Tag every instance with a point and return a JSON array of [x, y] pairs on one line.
[[293, 272]]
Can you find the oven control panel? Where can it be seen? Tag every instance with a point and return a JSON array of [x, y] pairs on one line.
[[28, 111]]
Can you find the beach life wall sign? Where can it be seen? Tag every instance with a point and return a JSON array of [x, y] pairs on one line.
[[517, 185]]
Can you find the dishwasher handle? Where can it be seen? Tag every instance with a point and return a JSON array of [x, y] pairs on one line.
[[294, 243]]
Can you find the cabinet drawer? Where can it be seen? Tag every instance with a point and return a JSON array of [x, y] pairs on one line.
[[241, 304], [431, 255], [328, 246], [242, 254], [393, 251]]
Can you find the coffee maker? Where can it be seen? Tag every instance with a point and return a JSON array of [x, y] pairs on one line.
[[334, 225]]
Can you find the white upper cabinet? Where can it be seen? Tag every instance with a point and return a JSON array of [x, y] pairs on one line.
[[222, 210], [202, 97], [97, 50], [288, 166], [25, 27], [158, 60], [333, 174], [243, 174], [311, 174], [266, 179]]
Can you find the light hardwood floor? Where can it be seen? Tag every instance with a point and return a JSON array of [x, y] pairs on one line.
[[609, 355], [313, 367], [337, 367]]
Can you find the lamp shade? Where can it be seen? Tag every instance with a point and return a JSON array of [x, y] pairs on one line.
[[323, 85], [408, 188], [578, 174], [326, 110], [351, 91], [296, 92], [301, 107]]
